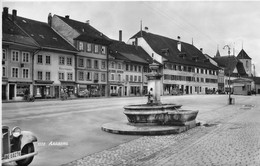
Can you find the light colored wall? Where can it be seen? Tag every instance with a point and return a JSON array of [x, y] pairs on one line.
[[54, 67]]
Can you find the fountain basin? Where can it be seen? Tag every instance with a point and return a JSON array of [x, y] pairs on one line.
[[164, 114]]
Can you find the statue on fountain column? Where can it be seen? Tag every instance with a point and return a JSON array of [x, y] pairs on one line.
[[150, 96]]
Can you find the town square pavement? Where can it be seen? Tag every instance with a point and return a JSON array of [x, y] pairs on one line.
[[228, 135]]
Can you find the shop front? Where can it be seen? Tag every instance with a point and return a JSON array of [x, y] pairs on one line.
[[69, 88], [44, 89], [17, 90], [116, 90], [135, 90], [92, 90]]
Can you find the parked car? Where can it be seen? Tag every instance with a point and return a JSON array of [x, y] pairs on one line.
[[17, 146]]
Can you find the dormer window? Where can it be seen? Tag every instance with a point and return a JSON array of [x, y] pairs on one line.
[[246, 64], [81, 46]]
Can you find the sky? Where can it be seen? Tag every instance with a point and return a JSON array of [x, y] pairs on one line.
[[209, 24]]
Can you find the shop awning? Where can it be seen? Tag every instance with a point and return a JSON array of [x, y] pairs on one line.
[[43, 82]]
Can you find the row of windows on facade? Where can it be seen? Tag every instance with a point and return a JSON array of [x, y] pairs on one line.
[[131, 78], [89, 47], [15, 72], [15, 56], [188, 78], [88, 76], [69, 61], [81, 63], [189, 69]]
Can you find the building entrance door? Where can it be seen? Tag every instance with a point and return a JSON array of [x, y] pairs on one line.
[[11, 91]]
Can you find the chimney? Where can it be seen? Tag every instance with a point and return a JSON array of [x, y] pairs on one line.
[[5, 12], [201, 49], [67, 16], [87, 22], [179, 43], [14, 15], [136, 42], [49, 19], [120, 35]]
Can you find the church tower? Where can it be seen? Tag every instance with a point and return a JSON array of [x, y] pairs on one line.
[[246, 60]]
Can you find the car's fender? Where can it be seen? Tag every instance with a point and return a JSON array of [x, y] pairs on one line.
[[27, 137]]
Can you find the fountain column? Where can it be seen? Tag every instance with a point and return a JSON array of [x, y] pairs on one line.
[[154, 82]]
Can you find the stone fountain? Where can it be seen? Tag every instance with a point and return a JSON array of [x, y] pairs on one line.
[[154, 117]]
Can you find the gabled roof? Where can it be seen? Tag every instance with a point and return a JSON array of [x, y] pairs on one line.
[[12, 33], [128, 52], [229, 63], [86, 31], [160, 43], [43, 34], [243, 55]]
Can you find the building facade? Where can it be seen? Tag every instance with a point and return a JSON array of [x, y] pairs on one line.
[[18, 50], [185, 68], [91, 62]]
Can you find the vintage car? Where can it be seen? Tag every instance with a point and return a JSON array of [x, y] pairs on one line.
[[17, 146]]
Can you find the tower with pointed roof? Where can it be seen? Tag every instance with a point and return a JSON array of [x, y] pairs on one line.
[[246, 60]]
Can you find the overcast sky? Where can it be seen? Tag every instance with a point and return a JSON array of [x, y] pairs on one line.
[[211, 24]]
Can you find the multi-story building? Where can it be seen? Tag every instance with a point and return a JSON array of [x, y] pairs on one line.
[[18, 49], [91, 61], [53, 61], [127, 69], [185, 68]]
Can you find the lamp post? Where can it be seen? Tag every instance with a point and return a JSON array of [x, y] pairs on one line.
[[254, 80], [229, 96]]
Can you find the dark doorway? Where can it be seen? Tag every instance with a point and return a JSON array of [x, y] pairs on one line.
[[11, 91], [3, 92]]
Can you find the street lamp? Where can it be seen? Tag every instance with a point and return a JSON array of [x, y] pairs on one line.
[[254, 80], [229, 96]]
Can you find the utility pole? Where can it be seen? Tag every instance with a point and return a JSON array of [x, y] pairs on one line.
[[254, 79], [229, 96]]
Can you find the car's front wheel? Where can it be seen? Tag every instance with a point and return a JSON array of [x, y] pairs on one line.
[[29, 148]]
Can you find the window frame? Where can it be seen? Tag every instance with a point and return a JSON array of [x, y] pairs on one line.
[[39, 75], [79, 60], [23, 74], [4, 51], [89, 63], [16, 56], [70, 76], [28, 57], [96, 49], [69, 61], [47, 77], [39, 55], [103, 50], [89, 47], [61, 74], [81, 46], [103, 64], [89, 76], [17, 72], [4, 71], [81, 72], [49, 57], [96, 64], [61, 60], [103, 77]]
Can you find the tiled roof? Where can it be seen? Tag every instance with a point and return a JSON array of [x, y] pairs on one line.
[[229, 63], [130, 52], [43, 34], [12, 33], [243, 55], [257, 80], [159, 43], [86, 31]]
